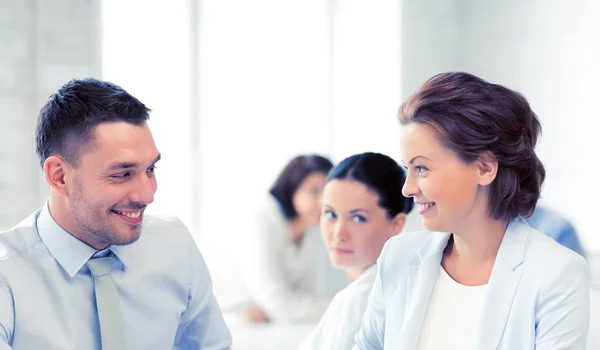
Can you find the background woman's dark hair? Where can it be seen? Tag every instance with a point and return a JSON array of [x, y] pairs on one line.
[[380, 174], [66, 122], [292, 176], [474, 117]]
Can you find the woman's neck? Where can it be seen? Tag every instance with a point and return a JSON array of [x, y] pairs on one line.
[[298, 227], [479, 242], [471, 251], [354, 273]]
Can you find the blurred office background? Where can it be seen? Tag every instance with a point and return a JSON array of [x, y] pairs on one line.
[[239, 87]]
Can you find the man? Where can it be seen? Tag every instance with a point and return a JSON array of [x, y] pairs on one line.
[[557, 228], [89, 270]]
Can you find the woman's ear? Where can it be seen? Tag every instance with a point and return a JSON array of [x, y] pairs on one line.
[[397, 224], [487, 168]]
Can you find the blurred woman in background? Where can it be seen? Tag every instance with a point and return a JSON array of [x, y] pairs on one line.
[[363, 207], [276, 256]]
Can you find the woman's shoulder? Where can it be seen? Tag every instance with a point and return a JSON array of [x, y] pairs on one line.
[[545, 256], [545, 264], [406, 246]]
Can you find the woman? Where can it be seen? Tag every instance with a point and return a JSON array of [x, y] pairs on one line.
[[480, 277], [276, 258], [363, 207]]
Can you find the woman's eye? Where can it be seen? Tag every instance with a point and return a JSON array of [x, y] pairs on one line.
[[359, 219], [329, 214]]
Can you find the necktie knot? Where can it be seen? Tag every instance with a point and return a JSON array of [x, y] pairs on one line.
[[100, 266]]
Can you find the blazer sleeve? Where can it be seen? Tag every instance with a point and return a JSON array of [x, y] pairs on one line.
[[562, 311], [7, 317], [372, 332]]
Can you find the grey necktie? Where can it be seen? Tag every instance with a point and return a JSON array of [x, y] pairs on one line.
[[112, 331]]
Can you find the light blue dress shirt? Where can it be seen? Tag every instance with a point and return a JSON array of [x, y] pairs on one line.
[[47, 293], [556, 228]]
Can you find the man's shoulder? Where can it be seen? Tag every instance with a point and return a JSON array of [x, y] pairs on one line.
[[20, 238], [159, 222], [165, 227]]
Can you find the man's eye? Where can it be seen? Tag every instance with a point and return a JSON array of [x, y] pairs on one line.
[[121, 176]]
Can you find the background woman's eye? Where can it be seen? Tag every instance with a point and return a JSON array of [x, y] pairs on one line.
[[359, 218]]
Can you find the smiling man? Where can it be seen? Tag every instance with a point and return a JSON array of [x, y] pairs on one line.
[[89, 270]]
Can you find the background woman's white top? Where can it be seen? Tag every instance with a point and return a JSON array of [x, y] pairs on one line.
[[452, 316], [273, 273], [343, 317]]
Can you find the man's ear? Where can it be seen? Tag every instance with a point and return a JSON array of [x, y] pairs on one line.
[[398, 223], [487, 168], [57, 170]]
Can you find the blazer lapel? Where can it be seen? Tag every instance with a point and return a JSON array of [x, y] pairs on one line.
[[421, 279], [502, 286]]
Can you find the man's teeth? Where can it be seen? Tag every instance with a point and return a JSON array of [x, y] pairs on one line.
[[425, 205], [133, 215]]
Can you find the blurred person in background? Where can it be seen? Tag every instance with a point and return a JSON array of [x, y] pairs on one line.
[[554, 226], [276, 253], [363, 207]]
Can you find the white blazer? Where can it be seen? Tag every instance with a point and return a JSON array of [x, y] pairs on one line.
[[537, 298], [342, 320], [270, 271]]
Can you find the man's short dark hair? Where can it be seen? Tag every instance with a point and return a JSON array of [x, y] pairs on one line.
[[66, 123]]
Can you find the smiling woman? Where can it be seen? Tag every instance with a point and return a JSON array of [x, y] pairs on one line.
[[480, 277]]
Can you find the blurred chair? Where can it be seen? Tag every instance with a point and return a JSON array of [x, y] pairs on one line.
[[594, 333]]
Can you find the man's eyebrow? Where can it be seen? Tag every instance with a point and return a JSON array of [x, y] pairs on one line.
[[156, 159], [129, 165], [122, 165]]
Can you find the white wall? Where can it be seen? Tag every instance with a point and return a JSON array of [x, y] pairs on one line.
[[548, 50], [366, 77], [146, 49], [44, 45]]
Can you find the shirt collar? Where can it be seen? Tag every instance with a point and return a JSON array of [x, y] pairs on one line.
[[368, 276], [70, 252]]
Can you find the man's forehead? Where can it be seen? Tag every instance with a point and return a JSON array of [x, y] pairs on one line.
[[120, 132], [124, 144]]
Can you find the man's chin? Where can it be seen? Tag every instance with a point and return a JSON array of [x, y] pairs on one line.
[[127, 238]]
